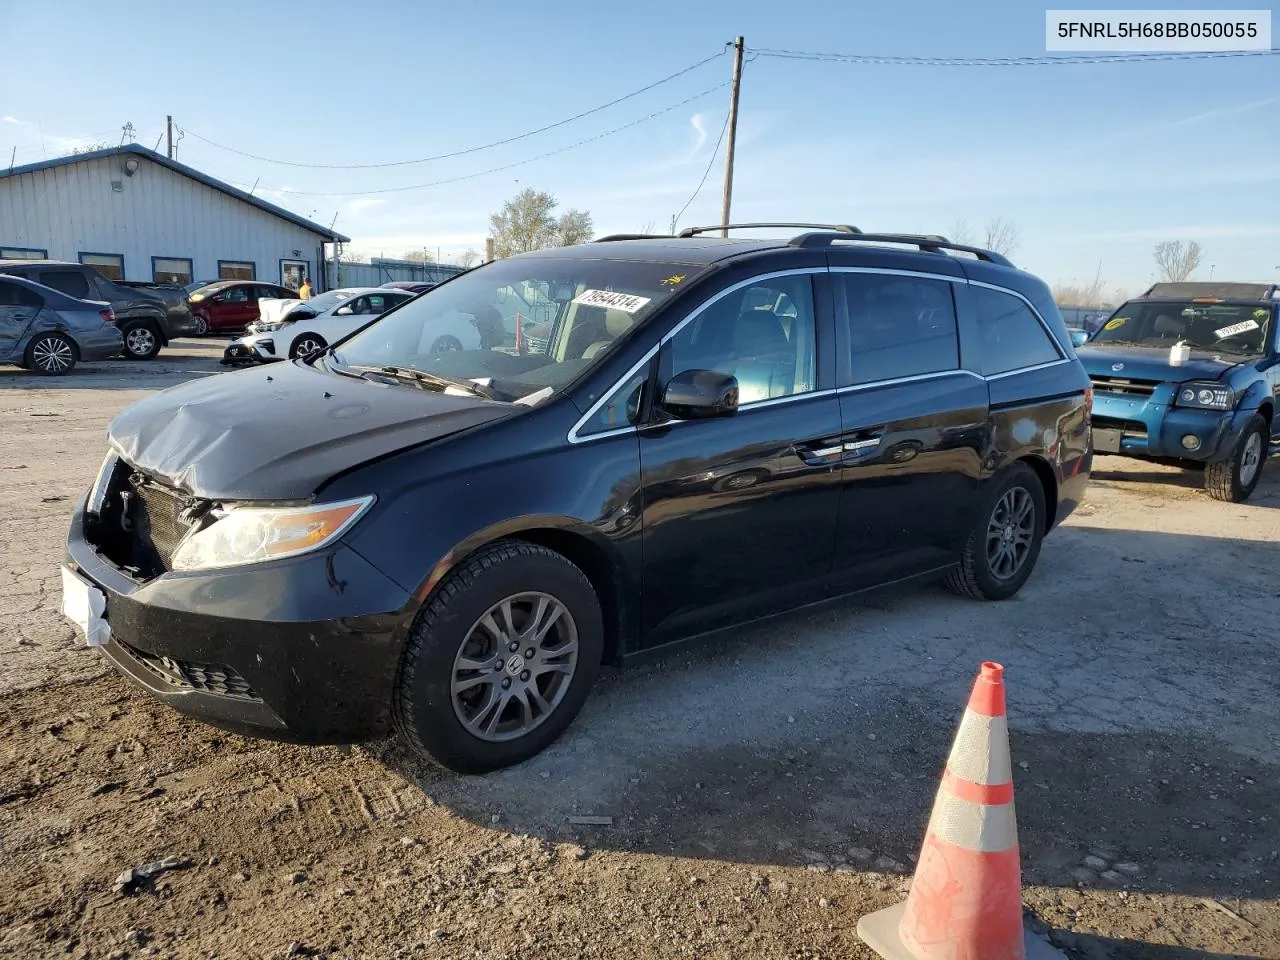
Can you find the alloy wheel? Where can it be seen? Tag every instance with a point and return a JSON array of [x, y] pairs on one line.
[[52, 355], [1010, 533], [307, 347], [140, 341], [514, 667], [1250, 459]]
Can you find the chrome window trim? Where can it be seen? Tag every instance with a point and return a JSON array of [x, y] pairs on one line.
[[914, 378], [1031, 369], [901, 273], [1063, 356], [573, 436]]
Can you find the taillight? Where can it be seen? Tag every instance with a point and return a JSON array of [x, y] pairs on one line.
[[1088, 396], [108, 315]]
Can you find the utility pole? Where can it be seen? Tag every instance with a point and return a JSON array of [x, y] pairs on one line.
[[168, 132], [727, 198]]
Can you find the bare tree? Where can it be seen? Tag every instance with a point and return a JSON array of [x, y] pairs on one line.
[[467, 259], [89, 147], [648, 226], [418, 256], [960, 233], [1002, 236], [1178, 261], [527, 222]]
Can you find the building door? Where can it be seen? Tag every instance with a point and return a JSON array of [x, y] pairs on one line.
[[292, 273]]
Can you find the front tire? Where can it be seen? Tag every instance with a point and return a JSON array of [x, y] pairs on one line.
[[50, 355], [1235, 478], [202, 326], [306, 345], [141, 342], [1004, 543], [470, 696], [446, 344]]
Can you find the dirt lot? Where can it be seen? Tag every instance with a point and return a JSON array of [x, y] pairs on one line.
[[765, 791]]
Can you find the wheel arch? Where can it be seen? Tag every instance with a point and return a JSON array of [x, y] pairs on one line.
[[1048, 483], [584, 547]]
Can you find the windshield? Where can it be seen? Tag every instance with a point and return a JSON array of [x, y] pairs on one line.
[[1237, 328], [521, 326], [327, 301]]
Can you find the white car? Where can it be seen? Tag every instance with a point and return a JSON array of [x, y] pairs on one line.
[[306, 326]]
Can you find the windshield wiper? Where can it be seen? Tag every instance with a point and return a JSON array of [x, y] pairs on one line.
[[422, 378]]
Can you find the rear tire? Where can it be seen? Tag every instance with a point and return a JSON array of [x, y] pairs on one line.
[[1235, 478], [50, 355], [446, 344], [1004, 543], [306, 345], [454, 663], [202, 326], [141, 340]]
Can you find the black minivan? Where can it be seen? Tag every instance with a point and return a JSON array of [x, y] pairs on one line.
[[640, 441]]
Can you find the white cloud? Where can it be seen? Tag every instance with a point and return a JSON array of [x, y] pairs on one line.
[[15, 121], [1219, 231], [359, 205]]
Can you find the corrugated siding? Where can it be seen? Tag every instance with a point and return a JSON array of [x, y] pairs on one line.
[[72, 209], [376, 274]]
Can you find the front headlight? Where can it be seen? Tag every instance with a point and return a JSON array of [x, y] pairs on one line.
[[1207, 395], [195, 297], [98, 492], [242, 535]]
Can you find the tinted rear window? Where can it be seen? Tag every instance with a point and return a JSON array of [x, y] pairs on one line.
[[16, 295], [899, 326], [71, 282], [1012, 337]]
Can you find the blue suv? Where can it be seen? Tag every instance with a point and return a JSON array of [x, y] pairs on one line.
[[1189, 374]]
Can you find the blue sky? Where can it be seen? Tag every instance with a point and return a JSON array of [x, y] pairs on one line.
[[1093, 163]]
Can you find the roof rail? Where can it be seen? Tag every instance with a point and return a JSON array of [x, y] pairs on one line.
[[633, 236], [841, 228], [930, 243]]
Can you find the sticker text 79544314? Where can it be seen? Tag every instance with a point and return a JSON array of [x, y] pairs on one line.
[[626, 302]]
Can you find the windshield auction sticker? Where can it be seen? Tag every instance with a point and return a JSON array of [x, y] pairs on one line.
[[1138, 31], [626, 302], [1244, 326]]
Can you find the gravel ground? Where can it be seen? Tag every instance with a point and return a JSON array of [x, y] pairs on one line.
[[764, 791]]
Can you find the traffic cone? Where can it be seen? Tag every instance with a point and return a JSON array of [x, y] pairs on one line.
[[965, 901]]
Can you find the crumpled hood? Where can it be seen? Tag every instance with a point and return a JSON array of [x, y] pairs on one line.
[[1152, 363], [278, 433]]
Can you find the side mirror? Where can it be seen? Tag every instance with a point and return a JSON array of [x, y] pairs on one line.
[[700, 395], [1079, 338], [342, 312]]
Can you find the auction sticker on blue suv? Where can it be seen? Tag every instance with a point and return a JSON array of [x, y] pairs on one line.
[[1126, 31]]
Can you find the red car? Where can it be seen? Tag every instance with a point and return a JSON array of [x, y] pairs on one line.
[[232, 304]]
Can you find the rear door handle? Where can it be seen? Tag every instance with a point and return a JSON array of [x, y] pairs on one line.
[[862, 443], [822, 452]]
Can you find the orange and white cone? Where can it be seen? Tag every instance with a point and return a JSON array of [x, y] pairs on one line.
[[966, 898]]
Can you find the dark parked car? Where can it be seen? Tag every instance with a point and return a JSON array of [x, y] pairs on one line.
[[47, 331], [413, 286], [450, 543], [1214, 409], [146, 319], [232, 304]]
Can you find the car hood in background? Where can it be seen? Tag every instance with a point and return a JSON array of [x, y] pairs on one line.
[[278, 433], [1152, 363]]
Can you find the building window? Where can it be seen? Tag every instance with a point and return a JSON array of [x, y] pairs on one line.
[[110, 265], [171, 270], [23, 253], [236, 270]]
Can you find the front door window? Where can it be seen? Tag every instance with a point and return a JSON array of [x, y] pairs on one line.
[[763, 335]]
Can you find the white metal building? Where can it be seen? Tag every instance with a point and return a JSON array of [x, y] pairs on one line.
[[134, 214]]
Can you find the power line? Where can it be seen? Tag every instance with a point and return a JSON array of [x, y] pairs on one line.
[[1008, 61], [705, 173], [505, 166], [464, 152]]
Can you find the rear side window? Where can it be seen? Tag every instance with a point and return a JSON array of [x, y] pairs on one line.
[[16, 295], [899, 326], [71, 282], [1012, 336]]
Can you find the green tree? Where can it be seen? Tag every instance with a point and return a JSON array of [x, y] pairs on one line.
[[528, 221]]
